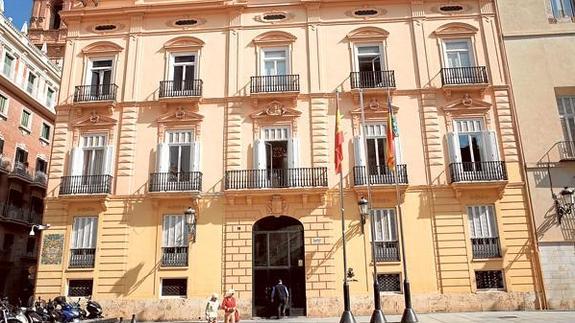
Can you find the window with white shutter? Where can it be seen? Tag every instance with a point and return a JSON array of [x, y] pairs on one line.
[[376, 148], [385, 224], [94, 147], [482, 223], [175, 231], [83, 242], [566, 106], [181, 154]]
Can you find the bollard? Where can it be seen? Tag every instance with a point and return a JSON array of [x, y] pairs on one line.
[[133, 318], [121, 320]]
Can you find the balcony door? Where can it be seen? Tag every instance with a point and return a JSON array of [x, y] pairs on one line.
[[471, 145], [181, 155], [100, 77], [369, 64], [183, 72], [566, 106], [458, 53], [276, 141], [376, 149], [274, 67]]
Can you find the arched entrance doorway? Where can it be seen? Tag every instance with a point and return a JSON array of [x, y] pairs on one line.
[[278, 253]]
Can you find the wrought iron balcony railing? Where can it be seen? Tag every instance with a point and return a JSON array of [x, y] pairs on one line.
[[20, 214], [463, 75], [386, 251], [174, 182], [82, 258], [478, 171], [185, 88], [372, 79], [276, 178], [274, 83], [566, 150], [88, 93], [379, 175], [21, 170], [484, 248], [175, 256], [86, 184]]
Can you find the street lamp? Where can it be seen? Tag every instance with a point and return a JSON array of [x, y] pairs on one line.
[[190, 217], [564, 203], [363, 209], [38, 227]]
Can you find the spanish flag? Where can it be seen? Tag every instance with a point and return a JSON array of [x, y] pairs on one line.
[[338, 136], [391, 134]]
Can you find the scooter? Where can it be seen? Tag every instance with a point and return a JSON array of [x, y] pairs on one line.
[[94, 309], [67, 312]]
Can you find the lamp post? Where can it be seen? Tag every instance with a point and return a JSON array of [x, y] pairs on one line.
[[564, 202], [190, 217]]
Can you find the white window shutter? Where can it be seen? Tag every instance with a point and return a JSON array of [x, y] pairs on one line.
[[293, 152], [453, 146], [491, 221], [260, 160], [195, 156], [175, 231], [359, 150], [490, 145], [163, 158], [76, 161], [397, 147], [108, 161]]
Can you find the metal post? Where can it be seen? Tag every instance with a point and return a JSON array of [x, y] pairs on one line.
[[347, 315], [377, 316]]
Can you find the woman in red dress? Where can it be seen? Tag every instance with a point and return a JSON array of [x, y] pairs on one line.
[[229, 307]]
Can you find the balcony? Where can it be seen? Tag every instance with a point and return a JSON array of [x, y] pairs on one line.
[[82, 258], [40, 179], [175, 182], [466, 76], [386, 251], [20, 214], [379, 175], [181, 89], [276, 178], [478, 171], [20, 171], [95, 93], [484, 248], [372, 80], [274, 84], [566, 150], [87, 184], [175, 256]]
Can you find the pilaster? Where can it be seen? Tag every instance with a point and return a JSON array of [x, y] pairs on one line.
[[320, 132]]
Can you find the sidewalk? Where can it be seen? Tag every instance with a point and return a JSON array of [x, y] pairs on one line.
[[483, 317]]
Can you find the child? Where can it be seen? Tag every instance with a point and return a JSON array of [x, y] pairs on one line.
[[212, 309]]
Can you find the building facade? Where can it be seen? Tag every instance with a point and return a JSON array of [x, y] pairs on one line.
[[229, 108], [543, 35], [46, 29], [28, 89]]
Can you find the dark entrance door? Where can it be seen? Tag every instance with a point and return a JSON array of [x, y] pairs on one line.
[[278, 253]]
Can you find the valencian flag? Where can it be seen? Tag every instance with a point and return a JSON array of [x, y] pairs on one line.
[[391, 134], [338, 137]]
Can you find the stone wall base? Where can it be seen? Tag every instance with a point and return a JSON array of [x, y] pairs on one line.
[[193, 309]]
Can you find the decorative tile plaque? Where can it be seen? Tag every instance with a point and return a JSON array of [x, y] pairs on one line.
[[52, 249]]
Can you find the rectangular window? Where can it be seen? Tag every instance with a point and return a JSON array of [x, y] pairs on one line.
[[94, 148], [563, 8], [3, 105], [84, 233], [183, 71], [470, 135], [566, 106], [41, 165], [175, 287], [385, 224], [8, 65], [50, 97], [45, 134], [175, 231], [489, 279], [276, 144], [21, 157], [1, 146], [31, 83], [100, 77], [80, 287], [376, 148], [274, 61], [8, 241], [369, 58], [26, 119], [457, 53], [180, 146], [389, 283], [482, 223]]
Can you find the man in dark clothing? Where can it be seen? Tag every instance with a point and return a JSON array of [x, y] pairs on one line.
[[280, 294]]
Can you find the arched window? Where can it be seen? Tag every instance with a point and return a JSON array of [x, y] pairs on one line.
[[55, 20]]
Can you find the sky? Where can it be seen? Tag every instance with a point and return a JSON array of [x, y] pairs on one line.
[[19, 10]]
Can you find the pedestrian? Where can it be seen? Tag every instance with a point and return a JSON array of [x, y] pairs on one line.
[[212, 309], [229, 307], [280, 294]]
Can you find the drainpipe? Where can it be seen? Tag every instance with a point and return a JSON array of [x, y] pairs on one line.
[[539, 285]]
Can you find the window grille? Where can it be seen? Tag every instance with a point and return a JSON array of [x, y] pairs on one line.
[[389, 282], [79, 288], [174, 287], [489, 279]]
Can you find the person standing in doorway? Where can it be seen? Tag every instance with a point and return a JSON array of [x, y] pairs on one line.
[[280, 294]]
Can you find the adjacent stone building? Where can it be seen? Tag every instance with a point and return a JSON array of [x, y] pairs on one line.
[[540, 41], [29, 85], [46, 29], [229, 108]]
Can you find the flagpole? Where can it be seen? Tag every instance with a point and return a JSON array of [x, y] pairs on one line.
[[347, 315], [408, 313], [377, 316]]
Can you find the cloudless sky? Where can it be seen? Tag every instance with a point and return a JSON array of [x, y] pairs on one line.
[[19, 10]]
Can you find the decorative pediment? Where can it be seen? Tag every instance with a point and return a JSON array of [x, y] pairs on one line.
[[102, 47], [180, 115], [374, 108], [368, 33], [455, 29], [466, 104], [184, 42], [276, 109], [94, 119], [274, 37]]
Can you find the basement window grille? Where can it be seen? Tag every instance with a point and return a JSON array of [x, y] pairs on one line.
[[175, 287], [80, 287], [389, 283], [489, 279]]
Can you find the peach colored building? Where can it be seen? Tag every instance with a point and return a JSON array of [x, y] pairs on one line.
[[46, 29], [229, 107], [543, 38]]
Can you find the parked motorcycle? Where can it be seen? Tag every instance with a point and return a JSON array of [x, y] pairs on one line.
[[11, 314], [94, 309]]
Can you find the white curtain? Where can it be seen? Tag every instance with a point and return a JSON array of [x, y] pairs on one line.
[[482, 223], [385, 224], [84, 233], [175, 231]]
